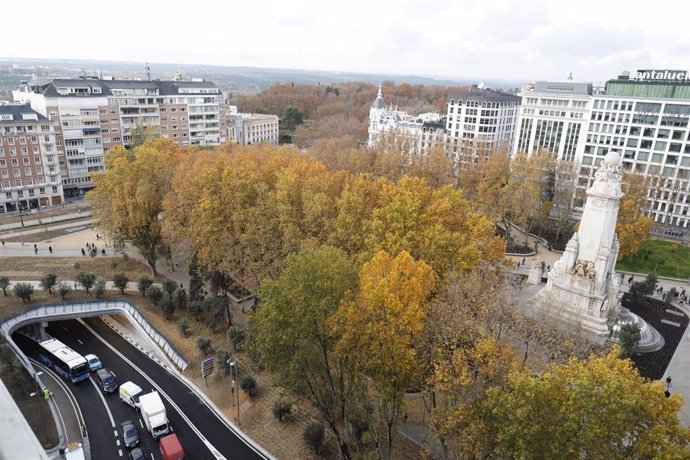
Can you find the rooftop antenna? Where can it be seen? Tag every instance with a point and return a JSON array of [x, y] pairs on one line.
[[148, 71], [570, 77]]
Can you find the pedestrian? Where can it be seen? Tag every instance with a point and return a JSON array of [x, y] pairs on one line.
[[75, 285], [87, 245], [35, 249], [523, 261], [549, 246], [50, 249], [98, 237], [668, 382], [667, 394], [3, 243], [102, 252], [83, 253], [630, 280]]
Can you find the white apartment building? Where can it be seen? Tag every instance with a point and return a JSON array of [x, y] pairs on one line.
[[416, 133], [94, 114], [480, 120], [251, 128], [29, 172], [646, 118], [553, 118]]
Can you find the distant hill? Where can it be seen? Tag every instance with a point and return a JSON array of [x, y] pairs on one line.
[[238, 80]]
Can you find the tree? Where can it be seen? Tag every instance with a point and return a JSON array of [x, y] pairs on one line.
[[644, 288], [292, 333], [87, 280], [379, 330], [155, 294], [48, 282], [223, 355], [204, 345], [144, 283], [99, 288], [282, 409], [628, 338], [236, 336], [142, 133], [632, 226], [195, 309], [120, 281], [196, 283], [183, 326], [248, 384], [595, 408], [314, 436], [128, 199], [24, 291], [169, 286], [63, 289], [4, 284], [291, 117]]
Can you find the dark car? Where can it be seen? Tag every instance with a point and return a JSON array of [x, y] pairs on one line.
[[136, 454], [129, 433], [106, 380]]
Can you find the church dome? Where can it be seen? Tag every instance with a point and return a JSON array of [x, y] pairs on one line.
[[378, 102]]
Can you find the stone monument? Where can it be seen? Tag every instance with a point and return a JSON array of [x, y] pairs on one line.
[[583, 292]]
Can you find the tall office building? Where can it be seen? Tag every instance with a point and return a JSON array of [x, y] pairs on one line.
[[29, 172], [480, 121], [645, 117], [94, 114], [553, 118]]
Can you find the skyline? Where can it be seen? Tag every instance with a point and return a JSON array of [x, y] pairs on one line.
[[445, 40]]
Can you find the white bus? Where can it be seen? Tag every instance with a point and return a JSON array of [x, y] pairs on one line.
[[65, 361]]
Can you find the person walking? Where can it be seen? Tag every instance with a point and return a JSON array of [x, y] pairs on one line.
[[50, 249], [83, 253], [668, 382], [35, 249], [630, 280]]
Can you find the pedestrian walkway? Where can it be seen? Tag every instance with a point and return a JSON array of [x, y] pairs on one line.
[[30, 221]]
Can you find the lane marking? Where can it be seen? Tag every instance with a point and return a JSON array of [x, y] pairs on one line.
[[80, 342], [115, 433], [98, 390], [117, 442], [141, 423], [210, 447], [113, 373], [120, 452], [57, 406]]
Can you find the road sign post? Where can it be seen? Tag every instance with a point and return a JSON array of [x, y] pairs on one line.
[[206, 369]]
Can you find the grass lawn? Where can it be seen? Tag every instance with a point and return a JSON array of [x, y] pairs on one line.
[[659, 257]]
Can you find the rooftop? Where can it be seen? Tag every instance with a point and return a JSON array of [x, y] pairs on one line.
[[13, 113], [565, 88], [86, 86], [475, 93]]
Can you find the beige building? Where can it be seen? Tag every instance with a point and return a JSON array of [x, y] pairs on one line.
[[29, 172], [251, 128]]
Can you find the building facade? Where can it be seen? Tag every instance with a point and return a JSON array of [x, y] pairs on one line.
[[94, 114], [29, 170], [553, 118], [480, 121], [646, 117], [251, 128]]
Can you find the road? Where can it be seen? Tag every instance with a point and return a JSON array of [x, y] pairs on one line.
[[198, 428]]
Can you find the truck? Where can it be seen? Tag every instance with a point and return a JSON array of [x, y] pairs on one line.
[[171, 449], [130, 393], [153, 413]]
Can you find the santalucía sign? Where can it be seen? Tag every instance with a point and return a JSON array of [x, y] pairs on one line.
[[661, 75]]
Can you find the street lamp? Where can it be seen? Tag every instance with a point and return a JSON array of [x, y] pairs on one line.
[[235, 383], [21, 217]]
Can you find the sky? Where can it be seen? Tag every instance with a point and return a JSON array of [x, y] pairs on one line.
[[480, 39]]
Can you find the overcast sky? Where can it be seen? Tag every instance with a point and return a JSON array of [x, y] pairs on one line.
[[496, 39]]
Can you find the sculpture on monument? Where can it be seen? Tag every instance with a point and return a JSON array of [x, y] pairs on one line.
[[582, 290]]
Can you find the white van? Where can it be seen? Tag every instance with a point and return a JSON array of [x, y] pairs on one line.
[[130, 393]]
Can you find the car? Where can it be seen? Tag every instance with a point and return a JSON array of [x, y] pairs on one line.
[[130, 436], [106, 380], [136, 454], [94, 362]]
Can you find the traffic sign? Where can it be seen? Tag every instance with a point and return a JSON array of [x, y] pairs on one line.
[[207, 367]]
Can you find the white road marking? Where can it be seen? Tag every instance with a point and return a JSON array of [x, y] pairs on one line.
[[117, 441], [113, 373], [64, 327], [152, 457], [141, 423], [210, 447], [115, 433], [80, 342], [98, 390], [120, 452]]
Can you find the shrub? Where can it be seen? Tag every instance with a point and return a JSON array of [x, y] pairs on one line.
[[183, 326], [87, 280], [644, 288], [155, 294], [63, 289], [236, 337], [214, 320], [222, 357], [313, 436], [281, 409], [248, 384], [24, 291], [120, 281], [181, 297], [144, 283], [99, 288], [195, 309], [4, 284], [168, 309], [204, 345], [48, 282], [169, 286], [628, 338], [76, 265]]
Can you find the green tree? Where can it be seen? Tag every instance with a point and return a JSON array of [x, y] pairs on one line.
[[644, 288], [223, 355], [4, 284], [314, 436], [281, 409], [143, 284], [120, 281], [196, 283], [48, 282], [87, 280], [63, 289], [291, 117], [24, 291], [195, 309], [628, 338], [293, 334], [183, 326], [99, 288], [155, 294], [248, 384], [236, 336], [142, 133], [204, 345], [169, 286]]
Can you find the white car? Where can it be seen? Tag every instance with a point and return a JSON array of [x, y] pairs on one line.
[[94, 362]]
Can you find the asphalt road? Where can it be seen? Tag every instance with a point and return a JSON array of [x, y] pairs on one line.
[[193, 421]]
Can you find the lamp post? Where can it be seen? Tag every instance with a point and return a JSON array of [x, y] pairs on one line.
[[40, 407], [235, 383], [21, 217]]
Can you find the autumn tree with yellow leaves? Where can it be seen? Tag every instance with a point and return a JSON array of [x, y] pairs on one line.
[[633, 226]]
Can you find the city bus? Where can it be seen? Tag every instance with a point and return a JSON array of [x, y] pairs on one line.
[[65, 361]]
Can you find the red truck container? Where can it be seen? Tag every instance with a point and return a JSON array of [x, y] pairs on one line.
[[171, 449]]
